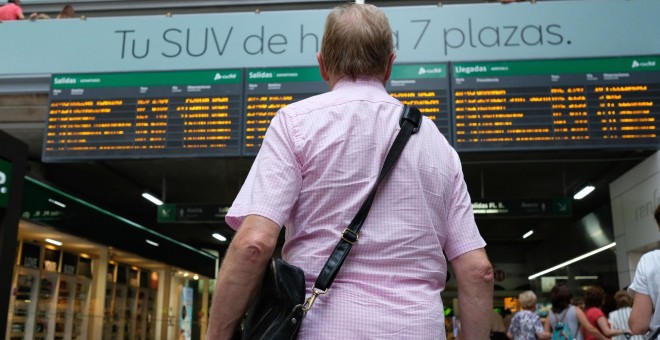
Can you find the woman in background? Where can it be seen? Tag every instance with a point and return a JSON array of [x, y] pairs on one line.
[[619, 318], [573, 317], [594, 298], [526, 325]]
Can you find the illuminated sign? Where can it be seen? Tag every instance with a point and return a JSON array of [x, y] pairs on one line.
[[5, 181], [267, 91], [425, 86], [144, 115], [557, 104]]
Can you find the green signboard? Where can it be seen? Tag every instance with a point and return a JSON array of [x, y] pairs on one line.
[[554, 207], [187, 213], [576, 66], [5, 181], [207, 77]]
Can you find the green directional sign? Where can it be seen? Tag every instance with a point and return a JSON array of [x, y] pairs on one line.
[[190, 213], [166, 213], [5, 180], [554, 207]]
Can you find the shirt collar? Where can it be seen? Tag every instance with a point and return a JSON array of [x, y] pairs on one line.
[[347, 82]]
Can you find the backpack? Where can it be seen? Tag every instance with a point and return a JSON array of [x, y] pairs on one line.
[[560, 330]]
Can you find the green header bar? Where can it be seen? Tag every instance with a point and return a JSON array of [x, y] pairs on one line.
[[5, 181], [209, 77], [580, 66], [284, 75], [419, 71]]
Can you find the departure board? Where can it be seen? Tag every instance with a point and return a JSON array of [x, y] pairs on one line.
[[557, 104], [144, 115], [270, 89], [425, 86]]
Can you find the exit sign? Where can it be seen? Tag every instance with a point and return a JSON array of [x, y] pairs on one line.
[[5, 180]]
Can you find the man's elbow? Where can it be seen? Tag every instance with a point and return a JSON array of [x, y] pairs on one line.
[[252, 250], [637, 327]]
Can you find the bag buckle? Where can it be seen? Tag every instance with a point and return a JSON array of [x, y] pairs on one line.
[[310, 300], [349, 236]]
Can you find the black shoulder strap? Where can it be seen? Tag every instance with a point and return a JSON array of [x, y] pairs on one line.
[[410, 122]]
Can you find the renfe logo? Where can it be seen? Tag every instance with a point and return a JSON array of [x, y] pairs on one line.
[[436, 70], [636, 64]]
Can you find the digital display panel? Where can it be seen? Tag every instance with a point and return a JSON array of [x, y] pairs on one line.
[[267, 91], [425, 86], [556, 104], [144, 115]]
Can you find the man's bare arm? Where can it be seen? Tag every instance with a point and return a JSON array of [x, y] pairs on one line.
[[474, 275], [640, 316], [241, 274]]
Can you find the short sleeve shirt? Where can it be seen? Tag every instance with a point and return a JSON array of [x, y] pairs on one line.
[[318, 162], [525, 325], [647, 282], [10, 11], [593, 314]]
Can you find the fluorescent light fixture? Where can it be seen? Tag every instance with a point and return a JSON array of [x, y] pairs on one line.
[[584, 192], [152, 242], [55, 242], [587, 277], [219, 237], [151, 198], [196, 277], [57, 203], [528, 234], [581, 257]]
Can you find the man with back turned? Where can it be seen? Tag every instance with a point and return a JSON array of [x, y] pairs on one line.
[[318, 161]]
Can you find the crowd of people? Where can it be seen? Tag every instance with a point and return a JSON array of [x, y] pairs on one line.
[[12, 11], [637, 316]]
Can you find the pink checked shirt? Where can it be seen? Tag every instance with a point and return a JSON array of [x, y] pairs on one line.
[[320, 158]]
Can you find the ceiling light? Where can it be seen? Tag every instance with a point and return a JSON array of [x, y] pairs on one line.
[[57, 203], [581, 257], [196, 277], [55, 242], [151, 198], [185, 274], [528, 234], [152, 243], [219, 237], [584, 192]]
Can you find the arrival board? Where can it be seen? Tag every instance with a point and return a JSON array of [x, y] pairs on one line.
[[425, 86], [144, 115], [556, 104]]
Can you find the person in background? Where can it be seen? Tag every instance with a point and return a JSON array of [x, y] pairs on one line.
[[526, 325], [497, 330], [319, 160], [571, 316], [619, 317], [594, 298], [506, 317], [67, 12], [12, 11], [645, 290]]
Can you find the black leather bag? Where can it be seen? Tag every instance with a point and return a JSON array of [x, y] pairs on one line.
[[279, 307], [276, 312]]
